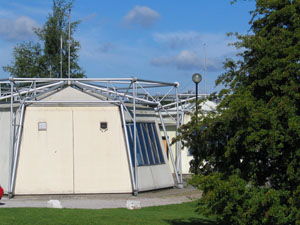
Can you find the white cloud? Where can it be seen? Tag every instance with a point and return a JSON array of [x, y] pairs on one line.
[[141, 15], [177, 39], [190, 45], [17, 29], [187, 60], [193, 39]]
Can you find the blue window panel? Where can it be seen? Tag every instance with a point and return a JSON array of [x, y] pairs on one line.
[[142, 143], [153, 144], [138, 154], [161, 157], [148, 145], [148, 148], [138, 149], [130, 140], [139, 158]]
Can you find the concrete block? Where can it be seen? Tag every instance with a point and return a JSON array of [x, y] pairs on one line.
[[130, 204], [54, 204]]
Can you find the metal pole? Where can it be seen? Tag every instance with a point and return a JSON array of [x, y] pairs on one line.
[[73, 102], [204, 68], [32, 90], [197, 103], [196, 158], [34, 87], [178, 150], [134, 139], [128, 148], [16, 157], [169, 146], [115, 80], [176, 133], [116, 93], [11, 137], [61, 46], [69, 46]]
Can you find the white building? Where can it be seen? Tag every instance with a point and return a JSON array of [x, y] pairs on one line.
[[77, 136], [184, 157]]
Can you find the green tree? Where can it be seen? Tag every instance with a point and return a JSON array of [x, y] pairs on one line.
[[42, 59], [255, 131]]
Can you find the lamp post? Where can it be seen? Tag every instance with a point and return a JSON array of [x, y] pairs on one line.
[[197, 79]]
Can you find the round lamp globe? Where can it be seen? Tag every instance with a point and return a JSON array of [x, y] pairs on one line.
[[197, 78]]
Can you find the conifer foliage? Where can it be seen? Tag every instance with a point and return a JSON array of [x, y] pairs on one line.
[[252, 140], [42, 59]]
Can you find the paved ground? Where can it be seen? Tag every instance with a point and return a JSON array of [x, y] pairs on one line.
[[100, 201]]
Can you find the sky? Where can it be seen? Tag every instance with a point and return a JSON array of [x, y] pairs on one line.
[[162, 40]]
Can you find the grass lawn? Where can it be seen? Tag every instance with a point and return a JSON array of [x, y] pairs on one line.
[[170, 214]]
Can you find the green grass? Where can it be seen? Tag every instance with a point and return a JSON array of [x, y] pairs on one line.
[[170, 214]]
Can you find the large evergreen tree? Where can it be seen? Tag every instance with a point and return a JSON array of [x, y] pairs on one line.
[[42, 59], [255, 132]]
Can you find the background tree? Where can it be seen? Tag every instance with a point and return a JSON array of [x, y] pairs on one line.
[[252, 140], [42, 59]]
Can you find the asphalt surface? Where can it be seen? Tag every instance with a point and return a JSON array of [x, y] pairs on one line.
[[101, 201]]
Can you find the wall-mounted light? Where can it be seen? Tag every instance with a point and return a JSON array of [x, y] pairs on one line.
[[42, 126], [103, 126]]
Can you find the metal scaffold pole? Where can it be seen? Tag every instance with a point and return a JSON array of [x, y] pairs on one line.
[[16, 156], [135, 137], [128, 149], [11, 149], [69, 48], [169, 146], [178, 148]]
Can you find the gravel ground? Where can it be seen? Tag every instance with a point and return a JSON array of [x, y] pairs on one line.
[[100, 201]]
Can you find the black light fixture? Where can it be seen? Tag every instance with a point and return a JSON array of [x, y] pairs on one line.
[[197, 79]]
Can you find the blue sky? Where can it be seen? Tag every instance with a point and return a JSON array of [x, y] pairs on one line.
[[158, 40]]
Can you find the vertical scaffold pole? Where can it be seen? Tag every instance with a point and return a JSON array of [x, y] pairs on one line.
[[169, 146], [69, 48], [135, 136], [11, 147], [16, 156], [178, 148], [128, 149]]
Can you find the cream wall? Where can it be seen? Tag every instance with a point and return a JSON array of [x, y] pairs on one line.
[[46, 157], [100, 156], [73, 155], [185, 157], [4, 148]]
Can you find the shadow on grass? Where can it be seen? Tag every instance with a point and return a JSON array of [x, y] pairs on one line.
[[191, 221]]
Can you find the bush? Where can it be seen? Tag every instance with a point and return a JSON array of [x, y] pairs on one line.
[[234, 201]]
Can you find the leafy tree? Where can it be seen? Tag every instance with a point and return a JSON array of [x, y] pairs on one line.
[[28, 61], [255, 131], [42, 59]]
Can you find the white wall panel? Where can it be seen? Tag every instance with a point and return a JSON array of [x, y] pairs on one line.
[[4, 148], [46, 157], [100, 158]]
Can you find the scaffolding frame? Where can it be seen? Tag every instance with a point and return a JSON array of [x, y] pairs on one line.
[[20, 92]]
